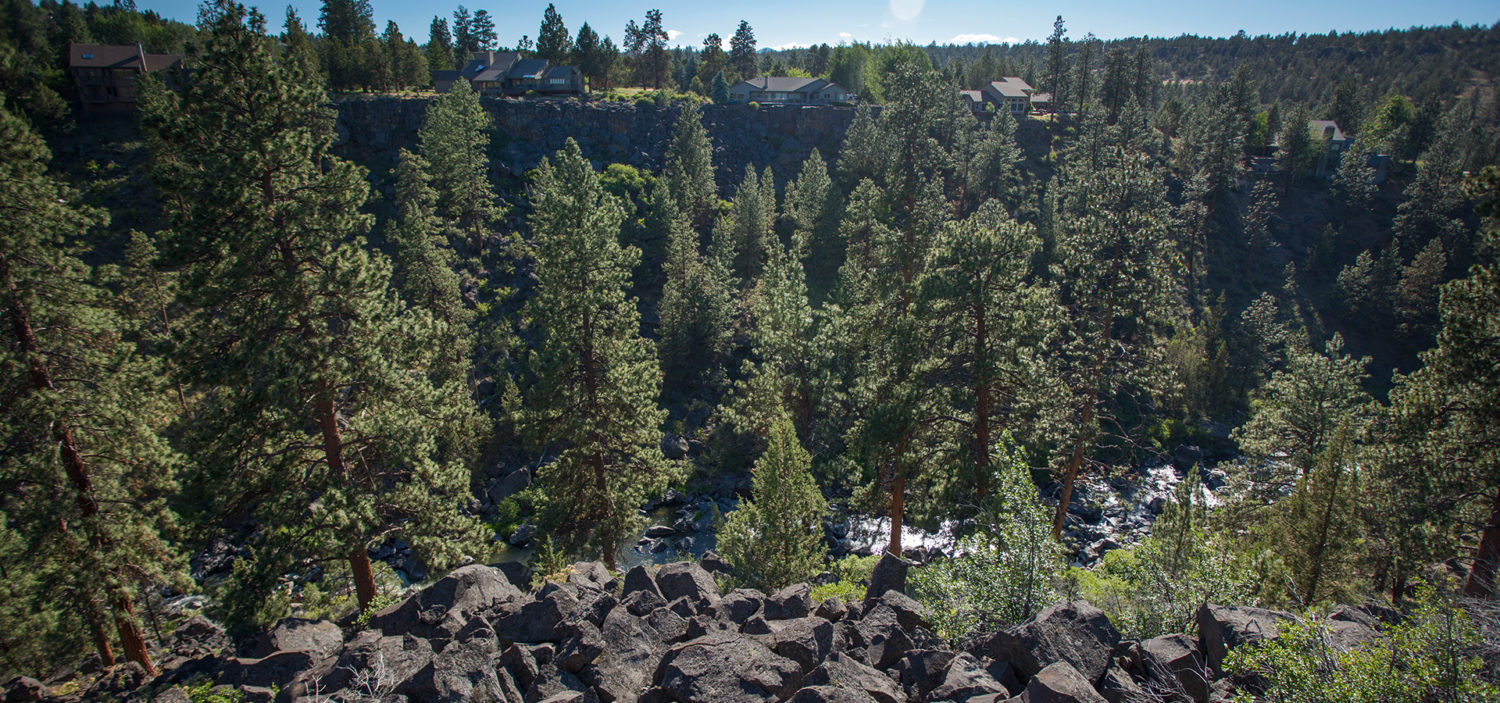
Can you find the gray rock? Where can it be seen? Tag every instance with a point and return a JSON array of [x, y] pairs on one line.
[[23, 689], [965, 680], [889, 575], [442, 609], [831, 609], [536, 621], [794, 601], [686, 579], [198, 637], [277, 670], [830, 694], [508, 485], [1350, 627], [517, 573], [674, 446], [594, 575], [922, 670], [806, 640], [369, 654], [522, 535], [668, 626], [725, 667], [1059, 682], [741, 604], [582, 643], [1118, 687], [1176, 662], [320, 638], [639, 578], [844, 671], [1076, 633], [1224, 627], [625, 665], [660, 531], [643, 602], [463, 671], [881, 637], [909, 613]]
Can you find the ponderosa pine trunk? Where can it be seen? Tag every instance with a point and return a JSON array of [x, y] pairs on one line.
[[898, 508], [77, 471], [981, 445], [360, 569], [1481, 581]]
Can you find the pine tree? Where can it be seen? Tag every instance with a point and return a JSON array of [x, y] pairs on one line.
[[811, 206], [741, 241], [424, 266], [299, 45], [774, 539], [482, 31], [322, 423], [593, 400], [454, 141], [719, 93], [697, 305], [689, 169], [1115, 281], [994, 322], [86, 470], [464, 43], [862, 154], [552, 41], [440, 46], [742, 51]]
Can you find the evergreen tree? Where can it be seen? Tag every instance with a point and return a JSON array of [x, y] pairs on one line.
[[425, 266], [553, 42], [720, 91], [741, 242], [1058, 71], [454, 141], [464, 42], [482, 31], [697, 304], [994, 323], [300, 46], [862, 154], [593, 400], [1297, 145], [322, 423], [1114, 279], [742, 51], [774, 539], [87, 473], [647, 45], [712, 59], [689, 169], [440, 46], [811, 207], [585, 54]]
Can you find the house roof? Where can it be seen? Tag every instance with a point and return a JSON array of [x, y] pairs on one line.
[[490, 65], [1322, 126], [527, 68], [445, 75], [1041, 97], [1011, 88], [973, 96], [783, 84], [118, 56], [560, 71]]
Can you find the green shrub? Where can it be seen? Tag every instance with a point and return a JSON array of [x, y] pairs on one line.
[[1431, 656], [204, 692], [754, 105], [852, 574], [645, 102], [1006, 571]]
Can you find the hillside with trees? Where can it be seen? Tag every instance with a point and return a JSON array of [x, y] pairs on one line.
[[1163, 349]]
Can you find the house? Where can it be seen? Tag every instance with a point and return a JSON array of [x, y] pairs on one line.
[[506, 73], [1041, 102], [974, 99], [1010, 93], [782, 90], [1329, 132], [105, 74]]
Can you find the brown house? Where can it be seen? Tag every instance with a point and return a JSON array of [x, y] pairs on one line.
[[105, 74], [506, 73]]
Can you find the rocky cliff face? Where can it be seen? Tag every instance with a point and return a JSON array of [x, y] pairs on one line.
[[668, 634], [372, 129]]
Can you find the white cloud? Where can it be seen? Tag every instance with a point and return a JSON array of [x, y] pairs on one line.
[[672, 34], [789, 45], [983, 39], [845, 35]]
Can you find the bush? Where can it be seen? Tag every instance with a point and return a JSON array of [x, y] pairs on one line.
[[1431, 656], [645, 102], [852, 577], [1005, 572], [775, 538], [754, 105]]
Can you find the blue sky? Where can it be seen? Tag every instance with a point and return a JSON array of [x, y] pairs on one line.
[[781, 23]]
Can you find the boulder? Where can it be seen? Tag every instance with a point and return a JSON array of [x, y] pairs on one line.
[[198, 637], [463, 671], [1118, 687], [881, 637], [582, 643], [555, 685], [116, 681], [1074, 632], [320, 638], [667, 625], [277, 670], [624, 667], [1059, 682], [889, 575], [806, 640], [843, 671], [520, 662], [742, 603], [725, 667], [439, 611], [643, 601], [1350, 627], [686, 579], [1224, 627], [714, 564], [1176, 662], [794, 601], [593, 575], [830, 694], [923, 670], [832, 609], [535, 621], [23, 689], [909, 613], [966, 680], [639, 579], [660, 531], [518, 573]]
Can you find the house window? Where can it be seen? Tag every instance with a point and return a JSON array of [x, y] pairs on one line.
[[557, 81]]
